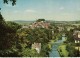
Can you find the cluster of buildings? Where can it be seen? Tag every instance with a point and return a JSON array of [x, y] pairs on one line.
[[41, 24]]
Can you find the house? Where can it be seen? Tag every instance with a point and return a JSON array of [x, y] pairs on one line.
[[25, 26], [77, 36], [37, 46], [69, 28], [52, 32], [60, 29]]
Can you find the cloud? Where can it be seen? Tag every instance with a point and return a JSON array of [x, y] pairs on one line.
[[30, 11], [16, 11], [66, 17], [24, 11], [61, 8]]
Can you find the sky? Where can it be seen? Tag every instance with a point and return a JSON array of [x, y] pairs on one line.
[[29, 10]]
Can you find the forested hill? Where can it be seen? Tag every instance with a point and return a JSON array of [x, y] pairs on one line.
[[23, 22]]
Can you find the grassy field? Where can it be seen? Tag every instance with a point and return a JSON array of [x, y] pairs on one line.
[[62, 50]]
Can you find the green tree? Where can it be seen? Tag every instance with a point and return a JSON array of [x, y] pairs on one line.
[[7, 37], [40, 20], [13, 2], [69, 35], [29, 53], [38, 35], [70, 48], [13, 25]]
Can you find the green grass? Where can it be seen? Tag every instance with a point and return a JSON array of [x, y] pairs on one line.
[[62, 50], [50, 43]]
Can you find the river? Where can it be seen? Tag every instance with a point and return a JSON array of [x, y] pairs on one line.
[[54, 52]]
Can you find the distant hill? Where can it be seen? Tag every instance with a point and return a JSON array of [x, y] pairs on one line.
[[66, 22], [23, 22]]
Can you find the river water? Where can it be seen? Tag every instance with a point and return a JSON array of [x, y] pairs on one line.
[[54, 52]]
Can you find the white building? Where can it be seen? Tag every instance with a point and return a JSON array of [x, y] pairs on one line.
[[77, 36], [37, 46]]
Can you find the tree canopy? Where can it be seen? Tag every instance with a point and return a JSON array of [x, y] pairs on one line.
[[40, 20], [12, 1]]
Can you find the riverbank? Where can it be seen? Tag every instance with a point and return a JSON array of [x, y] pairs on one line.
[[53, 40], [62, 50], [56, 50]]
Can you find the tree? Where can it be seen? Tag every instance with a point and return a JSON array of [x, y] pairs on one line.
[[7, 37], [29, 53], [13, 25], [13, 2], [69, 35], [38, 35], [70, 48], [40, 20]]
